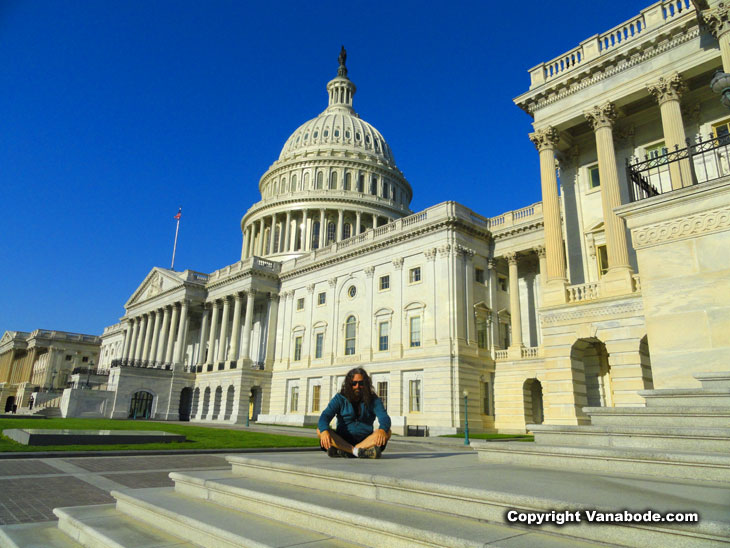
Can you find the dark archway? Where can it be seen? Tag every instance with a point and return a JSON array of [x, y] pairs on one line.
[[186, 400], [254, 403], [230, 399], [533, 401], [645, 360], [206, 403], [196, 402], [141, 405], [590, 357], [217, 403], [9, 404]]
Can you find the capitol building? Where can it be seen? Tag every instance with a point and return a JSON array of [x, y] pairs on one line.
[[584, 299]]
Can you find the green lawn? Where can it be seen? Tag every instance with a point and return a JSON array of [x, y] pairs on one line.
[[516, 437], [198, 437]]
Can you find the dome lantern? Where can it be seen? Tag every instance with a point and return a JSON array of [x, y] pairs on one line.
[[341, 89]]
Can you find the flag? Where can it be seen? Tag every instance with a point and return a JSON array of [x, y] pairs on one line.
[[178, 215]]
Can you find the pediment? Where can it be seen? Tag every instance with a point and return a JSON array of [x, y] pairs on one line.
[[157, 281], [7, 337], [595, 227]]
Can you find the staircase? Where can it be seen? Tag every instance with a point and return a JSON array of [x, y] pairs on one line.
[[680, 433]]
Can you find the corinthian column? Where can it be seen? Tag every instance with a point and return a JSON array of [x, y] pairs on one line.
[[236, 331], [155, 336], [287, 244], [171, 336], [160, 358], [248, 324], [213, 334], [181, 333], [140, 339], [514, 302], [601, 118], [222, 340], [718, 21], [667, 92]]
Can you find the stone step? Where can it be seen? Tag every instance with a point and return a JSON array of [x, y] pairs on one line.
[[103, 526], [687, 397], [488, 493], [698, 440], [601, 460], [713, 380], [207, 524], [45, 534], [704, 417], [372, 523]]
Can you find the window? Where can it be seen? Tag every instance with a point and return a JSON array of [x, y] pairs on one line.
[[384, 283], [482, 332], [300, 303], [298, 348], [383, 330], [479, 275], [361, 183], [374, 186], [322, 298], [502, 283], [330, 232], [415, 331], [350, 336], [333, 180], [383, 393], [348, 181], [277, 237], [346, 231], [320, 179], [294, 399], [485, 398], [602, 258], [68, 357], [722, 132], [315, 235], [414, 396], [337, 133], [594, 178], [316, 389], [352, 291], [318, 345], [85, 359], [656, 151], [294, 182], [414, 275]]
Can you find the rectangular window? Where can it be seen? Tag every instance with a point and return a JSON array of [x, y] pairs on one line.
[[415, 331], [383, 330], [298, 348], [294, 399], [502, 283], [722, 131], [485, 399], [479, 275], [384, 283], [481, 332], [300, 303], [602, 258], [318, 346], [414, 396], [594, 177], [383, 393], [315, 397], [85, 359], [68, 357], [414, 275], [322, 298]]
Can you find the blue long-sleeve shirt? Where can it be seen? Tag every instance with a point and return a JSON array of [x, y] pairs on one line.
[[350, 425]]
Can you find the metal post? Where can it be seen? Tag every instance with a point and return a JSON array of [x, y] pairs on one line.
[[466, 417], [88, 373]]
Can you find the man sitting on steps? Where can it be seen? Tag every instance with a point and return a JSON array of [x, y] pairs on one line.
[[355, 406]]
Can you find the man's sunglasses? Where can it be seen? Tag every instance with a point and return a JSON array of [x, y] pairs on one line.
[[358, 383]]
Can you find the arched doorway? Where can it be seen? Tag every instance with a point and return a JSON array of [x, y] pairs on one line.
[[9, 404], [206, 403], [645, 360], [186, 399], [217, 402], [141, 406], [230, 398], [591, 357], [532, 397], [196, 402], [254, 403]]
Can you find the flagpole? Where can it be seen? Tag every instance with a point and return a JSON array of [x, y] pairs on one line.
[[174, 247]]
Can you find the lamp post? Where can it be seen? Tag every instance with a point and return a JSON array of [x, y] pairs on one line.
[[466, 417], [88, 372]]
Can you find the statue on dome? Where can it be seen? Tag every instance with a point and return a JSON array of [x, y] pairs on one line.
[[342, 71]]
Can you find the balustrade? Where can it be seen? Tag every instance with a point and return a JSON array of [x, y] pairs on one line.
[[583, 292]]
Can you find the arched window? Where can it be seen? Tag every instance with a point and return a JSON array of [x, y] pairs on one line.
[[315, 234], [346, 231], [333, 180], [374, 186], [267, 241], [305, 186], [283, 185], [350, 336], [348, 181], [276, 239], [331, 233], [294, 182], [361, 183], [320, 179]]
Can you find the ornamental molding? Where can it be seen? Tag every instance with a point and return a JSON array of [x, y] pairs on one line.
[[546, 138], [398, 263], [601, 116], [370, 270], [430, 254], [540, 251], [681, 229], [716, 20], [597, 311], [332, 282], [444, 250], [666, 89]]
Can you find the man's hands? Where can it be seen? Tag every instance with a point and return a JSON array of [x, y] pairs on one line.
[[381, 436], [325, 438]]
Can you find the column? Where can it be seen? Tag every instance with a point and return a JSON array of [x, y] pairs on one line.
[[248, 324], [667, 92], [304, 246], [203, 334], [147, 339], [155, 337], [251, 239], [272, 233], [223, 339], [140, 339], [213, 334], [545, 141], [236, 331], [542, 256], [160, 358], [375, 221], [135, 336], [262, 237], [322, 221], [271, 330], [286, 246], [243, 244], [181, 333], [471, 329], [340, 223], [127, 340], [171, 335], [718, 23], [358, 215], [514, 302], [601, 119]]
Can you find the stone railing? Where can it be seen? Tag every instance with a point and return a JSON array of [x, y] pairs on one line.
[[256, 263], [657, 14], [193, 276], [531, 351], [500, 354], [66, 336], [518, 216], [112, 328], [584, 292]]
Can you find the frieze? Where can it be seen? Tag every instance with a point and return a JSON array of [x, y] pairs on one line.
[[551, 318], [680, 229]]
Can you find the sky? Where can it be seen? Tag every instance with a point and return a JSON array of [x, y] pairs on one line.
[[115, 114]]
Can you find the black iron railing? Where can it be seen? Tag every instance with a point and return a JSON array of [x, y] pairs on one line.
[[706, 160], [148, 364]]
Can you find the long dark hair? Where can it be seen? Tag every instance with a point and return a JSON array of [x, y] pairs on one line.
[[367, 394]]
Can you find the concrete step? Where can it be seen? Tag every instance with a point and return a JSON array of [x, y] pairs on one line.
[[687, 397], [45, 534], [468, 489], [103, 526], [703, 417], [698, 440], [713, 380], [207, 524], [345, 515], [601, 460]]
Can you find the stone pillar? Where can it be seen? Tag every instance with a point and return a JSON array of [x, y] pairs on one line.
[[545, 140], [271, 330], [514, 306], [244, 244], [248, 324], [147, 339], [340, 224], [358, 215], [667, 92], [287, 242], [213, 334], [261, 235], [236, 331], [617, 280], [471, 330], [322, 229], [160, 358], [223, 339], [203, 334], [127, 340], [171, 335], [305, 245], [542, 256], [272, 233], [181, 333], [251, 240], [140, 339], [375, 221], [155, 337], [718, 22]]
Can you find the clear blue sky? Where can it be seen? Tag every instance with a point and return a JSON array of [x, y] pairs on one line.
[[114, 114]]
